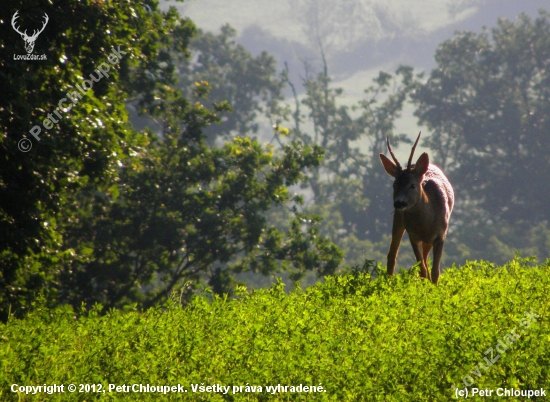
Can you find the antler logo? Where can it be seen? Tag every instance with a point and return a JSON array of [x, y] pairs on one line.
[[29, 40]]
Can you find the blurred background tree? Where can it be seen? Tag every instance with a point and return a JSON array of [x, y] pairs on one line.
[[188, 167], [487, 104], [349, 190], [485, 108]]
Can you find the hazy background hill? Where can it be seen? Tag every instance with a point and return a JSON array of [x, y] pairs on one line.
[[359, 37]]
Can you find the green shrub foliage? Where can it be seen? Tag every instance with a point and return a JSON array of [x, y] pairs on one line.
[[393, 338]]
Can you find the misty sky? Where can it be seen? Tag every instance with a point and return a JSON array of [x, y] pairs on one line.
[[366, 33], [359, 37]]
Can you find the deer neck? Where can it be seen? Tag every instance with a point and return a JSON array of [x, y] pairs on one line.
[[420, 210]]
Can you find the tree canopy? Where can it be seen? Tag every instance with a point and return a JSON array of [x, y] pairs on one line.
[[487, 104], [98, 211], [123, 210]]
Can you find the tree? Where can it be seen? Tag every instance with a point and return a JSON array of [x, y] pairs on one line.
[[82, 150], [185, 211], [98, 211], [248, 83], [346, 189], [190, 213], [487, 104]]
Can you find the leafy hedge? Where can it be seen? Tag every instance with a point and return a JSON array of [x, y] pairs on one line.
[[351, 337]]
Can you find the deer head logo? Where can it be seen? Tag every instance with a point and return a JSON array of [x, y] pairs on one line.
[[29, 40]]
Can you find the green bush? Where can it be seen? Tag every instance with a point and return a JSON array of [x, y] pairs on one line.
[[391, 338]]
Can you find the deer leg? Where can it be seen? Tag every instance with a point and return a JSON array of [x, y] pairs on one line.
[[417, 249], [398, 229], [426, 247], [438, 252]]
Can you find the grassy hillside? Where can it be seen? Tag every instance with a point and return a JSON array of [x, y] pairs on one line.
[[350, 338]]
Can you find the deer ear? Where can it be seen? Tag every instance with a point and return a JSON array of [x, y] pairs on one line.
[[389, 166], [422, 164]]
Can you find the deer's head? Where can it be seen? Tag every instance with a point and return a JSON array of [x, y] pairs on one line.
[[29, 40], [407, 187]]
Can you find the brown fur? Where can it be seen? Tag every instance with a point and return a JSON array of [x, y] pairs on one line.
[[423, 200]]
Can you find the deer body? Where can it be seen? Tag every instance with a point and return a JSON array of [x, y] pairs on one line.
[[423, 201]]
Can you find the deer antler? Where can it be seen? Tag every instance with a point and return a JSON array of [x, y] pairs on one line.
[[391, 153], [29, 40], [24, 34], [412, 151], [35, 34], [15, 16]]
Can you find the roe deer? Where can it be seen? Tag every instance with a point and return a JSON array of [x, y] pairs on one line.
[[423, 199]]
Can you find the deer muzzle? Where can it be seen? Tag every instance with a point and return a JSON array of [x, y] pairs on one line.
[[400, 204]]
